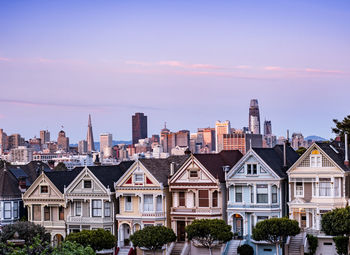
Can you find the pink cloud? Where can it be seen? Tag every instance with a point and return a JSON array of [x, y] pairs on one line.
[[319, 71], [4, 59], [273, 68]]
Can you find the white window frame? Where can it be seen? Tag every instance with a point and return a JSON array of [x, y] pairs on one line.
[[6, 210], [241, 187], [96, 211], [296, 191], [88, 181], [272, 187], [136, 179], [76, 207], [159, 203], [149, 207], [126, 203], [44, 186], [15, 210], [107, 209], [252, 166], [315, 160]]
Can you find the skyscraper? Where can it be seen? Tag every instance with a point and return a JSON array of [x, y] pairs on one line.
[[254, 117], [90, 137], [82, 147], [267, 127], [44, 136], [139, 127], [62, 141], [221, 128], [106, 143]]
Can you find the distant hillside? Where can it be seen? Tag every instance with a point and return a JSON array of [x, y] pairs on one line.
[[315, 138], [97, 144]]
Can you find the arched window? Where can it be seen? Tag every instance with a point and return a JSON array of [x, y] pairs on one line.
[[274, 194]]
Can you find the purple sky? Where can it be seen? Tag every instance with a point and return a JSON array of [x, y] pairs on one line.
[[188, 63]]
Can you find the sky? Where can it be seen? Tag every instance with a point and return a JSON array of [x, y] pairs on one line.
[[186, 63]]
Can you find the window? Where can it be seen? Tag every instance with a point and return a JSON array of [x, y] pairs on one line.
[[36, 214], [336, 186], [262, 194], [44, 189], [96, 208], [78, 208], [61, 213], [193, 173], [159, 204], [315, 159], [107, 209], [261, 218], [128, 204], [238, 194], [138, 177], [181, 198], [299, 189], [15, 210], [148, 203], [1, 210], [203, 198], [215, 199], [46, 213], [274, 194], [325, 187], [7, 210], [87, 184], [252, 217], [252, 169]]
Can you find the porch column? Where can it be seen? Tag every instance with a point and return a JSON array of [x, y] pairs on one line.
[[103, 208], [269, 194], [42, 213], [90, 207], [307, 218]]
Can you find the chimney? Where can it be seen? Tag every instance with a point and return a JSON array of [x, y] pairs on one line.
[[172, 168], [346, 161]]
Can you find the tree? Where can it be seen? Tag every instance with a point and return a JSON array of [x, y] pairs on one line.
[[313, 243], [26, 231], [275, 231], [209, 232], [153, 238], [337, 223], [98, 239], [245, 249], [60, 167], [300, 151], [37, 247], [341, 243], [69, 248], [342, 126]]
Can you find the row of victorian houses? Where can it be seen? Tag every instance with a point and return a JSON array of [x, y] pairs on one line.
[[242, 190]]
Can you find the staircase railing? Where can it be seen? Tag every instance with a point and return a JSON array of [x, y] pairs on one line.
[[227, 246]]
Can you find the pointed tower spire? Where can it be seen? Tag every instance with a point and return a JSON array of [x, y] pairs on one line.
[[90, 137]]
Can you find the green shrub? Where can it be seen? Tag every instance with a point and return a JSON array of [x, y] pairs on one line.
[[98, 239], [341, 243], [245, 249], [313, 243]]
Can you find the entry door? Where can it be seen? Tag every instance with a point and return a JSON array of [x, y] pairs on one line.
[[303, 220], [181, 231]]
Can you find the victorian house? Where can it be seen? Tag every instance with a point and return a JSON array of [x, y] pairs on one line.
[[143, 195], [257, 190], [198, 189], [90, 197], [318, 183]]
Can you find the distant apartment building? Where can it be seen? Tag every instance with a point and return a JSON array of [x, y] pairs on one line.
[[221, 129], [62, 141], [139, 127], [298, 141], [208, 137], [21, 155], [14, 141], [3, 141], [44, 136], [169, 140], [82, 147], [35, 144], [254, 117], [242, 141], [267, 127]]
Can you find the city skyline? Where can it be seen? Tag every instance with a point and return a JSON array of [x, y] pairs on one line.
[[189, 64]]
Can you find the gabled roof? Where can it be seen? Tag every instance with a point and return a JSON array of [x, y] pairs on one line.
[[160, 168], [214, 162], [337, 155], [273, 157], [62, 178], [8, 185], [107, 175]]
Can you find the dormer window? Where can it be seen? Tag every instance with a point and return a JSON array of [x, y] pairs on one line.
[[252, 169], [138, 177], [193, 173], [315, 159], [44, 189], [87, 184]]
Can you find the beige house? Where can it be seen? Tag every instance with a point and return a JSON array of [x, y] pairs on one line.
[[318, 183], [46, 204], [143, 196]]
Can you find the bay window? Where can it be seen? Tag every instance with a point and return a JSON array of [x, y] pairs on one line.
[[107, 209], [203, 198], [7, 210], [325, 187], [261, 193], [238, 194], [96, 208], [148, 203], [128, 204], [159, 201], [274, 194]]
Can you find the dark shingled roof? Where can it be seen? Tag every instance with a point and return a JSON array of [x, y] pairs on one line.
[[62, 178], [8, 185], [32, 170], [273, 157], [108, 174], [214, 162], [160, 168], [337, 156]]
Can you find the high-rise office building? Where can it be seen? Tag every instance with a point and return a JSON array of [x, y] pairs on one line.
[[3, 141], [62, 141], [90, 137], [183, 138], [207, 135], [106, 144], [139, 127], [242, 141], [15, 140], [267, 127], [221, 128], [254, 117], [82, 147], [44, 136]]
